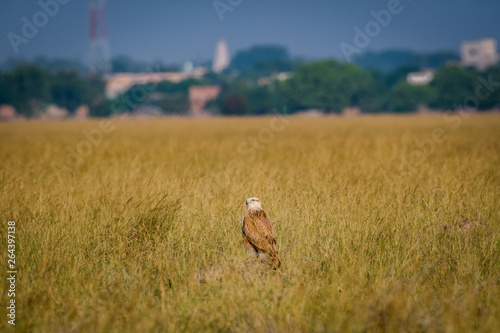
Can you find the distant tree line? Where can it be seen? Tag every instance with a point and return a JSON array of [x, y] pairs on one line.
[[389, 60], [327, 85], [29, 88], [331, 86]]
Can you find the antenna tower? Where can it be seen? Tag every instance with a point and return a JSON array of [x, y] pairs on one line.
[[100, 54]]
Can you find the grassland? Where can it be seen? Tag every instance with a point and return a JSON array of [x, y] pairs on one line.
[[143, 233]]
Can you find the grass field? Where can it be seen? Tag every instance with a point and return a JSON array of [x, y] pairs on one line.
[[383, 223]]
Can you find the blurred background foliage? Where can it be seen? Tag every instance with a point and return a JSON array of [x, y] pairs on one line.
[[374, 82]]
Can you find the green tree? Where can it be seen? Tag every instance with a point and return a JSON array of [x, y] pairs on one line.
[[260, 54], [5, 88], [330, 85], [69, 90], [390, 60], [174, 103], [387, 60], [104, 108], [260, 100], [29, 87], [405, 97], [488, 85], [453, 85], [399, 74], [234, 105], [166, 87], [249, 98], [95, 90]]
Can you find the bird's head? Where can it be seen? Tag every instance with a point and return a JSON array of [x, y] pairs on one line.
[[253, 202]]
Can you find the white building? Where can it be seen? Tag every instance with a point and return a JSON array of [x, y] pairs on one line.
[[221, 58], [119, 83], [480, 54], [420, 78]]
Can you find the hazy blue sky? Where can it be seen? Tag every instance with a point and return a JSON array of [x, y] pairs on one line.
[[178, 30]]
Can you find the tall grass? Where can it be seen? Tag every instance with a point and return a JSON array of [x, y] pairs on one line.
[[144, 234]]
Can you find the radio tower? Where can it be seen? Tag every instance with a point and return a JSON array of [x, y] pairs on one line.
[[100, 54]]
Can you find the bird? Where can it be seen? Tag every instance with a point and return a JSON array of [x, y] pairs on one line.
[[258, 235]]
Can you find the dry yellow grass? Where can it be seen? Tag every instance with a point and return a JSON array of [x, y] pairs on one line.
[[144, 233]]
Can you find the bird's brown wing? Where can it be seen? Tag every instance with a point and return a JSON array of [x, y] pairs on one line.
[[258, 231], [255, 232]]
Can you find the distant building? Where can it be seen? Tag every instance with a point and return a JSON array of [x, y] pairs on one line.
[[420, 78], [264, 81], [146, 112], [119, 83], [7, 112], [188, 67], [53, 111], [480, 54], [351, 111], [82, 112], [199, 96], [221, 58], [267, 80], [283, 76], [310, 113]]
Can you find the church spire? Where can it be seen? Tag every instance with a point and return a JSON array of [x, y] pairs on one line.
[[221, 58]]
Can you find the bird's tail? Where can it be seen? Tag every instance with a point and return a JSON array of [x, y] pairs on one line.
[[276, 263], [273, 254]]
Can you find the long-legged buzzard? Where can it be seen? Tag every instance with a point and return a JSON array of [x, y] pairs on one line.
[[258, 235]]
